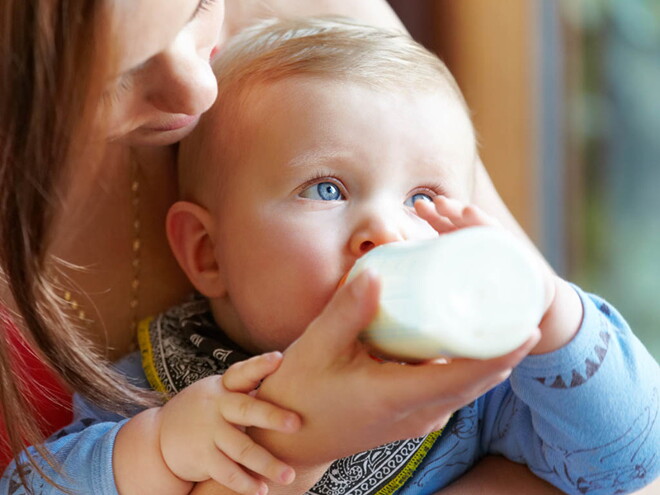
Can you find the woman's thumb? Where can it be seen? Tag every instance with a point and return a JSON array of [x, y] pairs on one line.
[[349, 311]]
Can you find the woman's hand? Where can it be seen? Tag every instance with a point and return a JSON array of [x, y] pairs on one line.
[[351, 403]]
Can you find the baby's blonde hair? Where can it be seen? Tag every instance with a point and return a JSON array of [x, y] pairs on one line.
[[328, 48]]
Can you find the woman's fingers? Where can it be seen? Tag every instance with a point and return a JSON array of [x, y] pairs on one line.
[[246, 375], [454, 384], [245, 410], [241, 449], [350, 310]]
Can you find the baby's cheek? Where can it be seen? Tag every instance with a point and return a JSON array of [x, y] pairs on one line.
[[316, 282], [289, 297], [316, 278]]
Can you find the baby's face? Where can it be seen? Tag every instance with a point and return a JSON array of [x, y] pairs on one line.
[[327, 171]]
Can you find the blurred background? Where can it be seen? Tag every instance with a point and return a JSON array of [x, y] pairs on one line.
[[565, 96]]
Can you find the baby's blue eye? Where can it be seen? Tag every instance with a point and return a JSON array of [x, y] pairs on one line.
[[323, 191], [417, 197]]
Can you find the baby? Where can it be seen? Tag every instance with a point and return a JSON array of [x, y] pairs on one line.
[[329, 139]]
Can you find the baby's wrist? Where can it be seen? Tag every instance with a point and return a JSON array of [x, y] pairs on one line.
[[138, 461], [562, 319]]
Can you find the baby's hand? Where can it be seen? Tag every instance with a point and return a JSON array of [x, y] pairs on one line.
[[202, 429], [447, 215], [563, 309]]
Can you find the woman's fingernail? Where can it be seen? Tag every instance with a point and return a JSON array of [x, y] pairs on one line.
[[274, 356], [361, 283]]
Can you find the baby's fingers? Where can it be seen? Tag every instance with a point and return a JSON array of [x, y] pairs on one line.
[[451, 208], [462, 215], [245, 410], [240, 448], [246, 375], [455, 384], [473, 216], [448, 214], [427, 211], [226, 472]]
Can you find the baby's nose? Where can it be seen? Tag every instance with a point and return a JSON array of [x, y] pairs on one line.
[[375, 232]]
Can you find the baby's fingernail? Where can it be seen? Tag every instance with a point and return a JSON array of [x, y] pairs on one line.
[[287, 475], [263, 490], [291, 423]]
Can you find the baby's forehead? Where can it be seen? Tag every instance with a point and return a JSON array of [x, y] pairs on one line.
[[324, 117], [258, 105], [238, 125], [288, 91]]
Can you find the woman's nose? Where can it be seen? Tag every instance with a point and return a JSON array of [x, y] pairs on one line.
[[182, 82], [374, 232]]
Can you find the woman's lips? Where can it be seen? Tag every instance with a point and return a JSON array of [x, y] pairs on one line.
[[174, 123]]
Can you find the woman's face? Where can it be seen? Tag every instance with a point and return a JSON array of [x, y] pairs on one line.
[[164, 80]]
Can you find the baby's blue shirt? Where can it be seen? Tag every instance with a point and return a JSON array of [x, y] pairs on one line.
[[583, 417]]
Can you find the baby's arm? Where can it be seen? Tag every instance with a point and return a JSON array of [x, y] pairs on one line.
[[581, 414], [563, 313], [84, 453], [198, 435], [584, 417], [105, 454]]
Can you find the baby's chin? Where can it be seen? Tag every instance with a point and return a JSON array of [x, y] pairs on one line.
[[268, 344], [254, 339]]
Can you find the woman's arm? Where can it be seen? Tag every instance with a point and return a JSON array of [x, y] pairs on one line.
[[495, 475], [487, 198], [376, 12], [239, 13], [652, 489]]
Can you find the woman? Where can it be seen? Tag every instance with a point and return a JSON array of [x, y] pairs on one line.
[[87, 177]]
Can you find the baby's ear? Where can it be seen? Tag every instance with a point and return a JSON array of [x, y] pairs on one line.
[[190, 230]]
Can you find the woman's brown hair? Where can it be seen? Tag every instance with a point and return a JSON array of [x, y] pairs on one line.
[[55, 56]]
